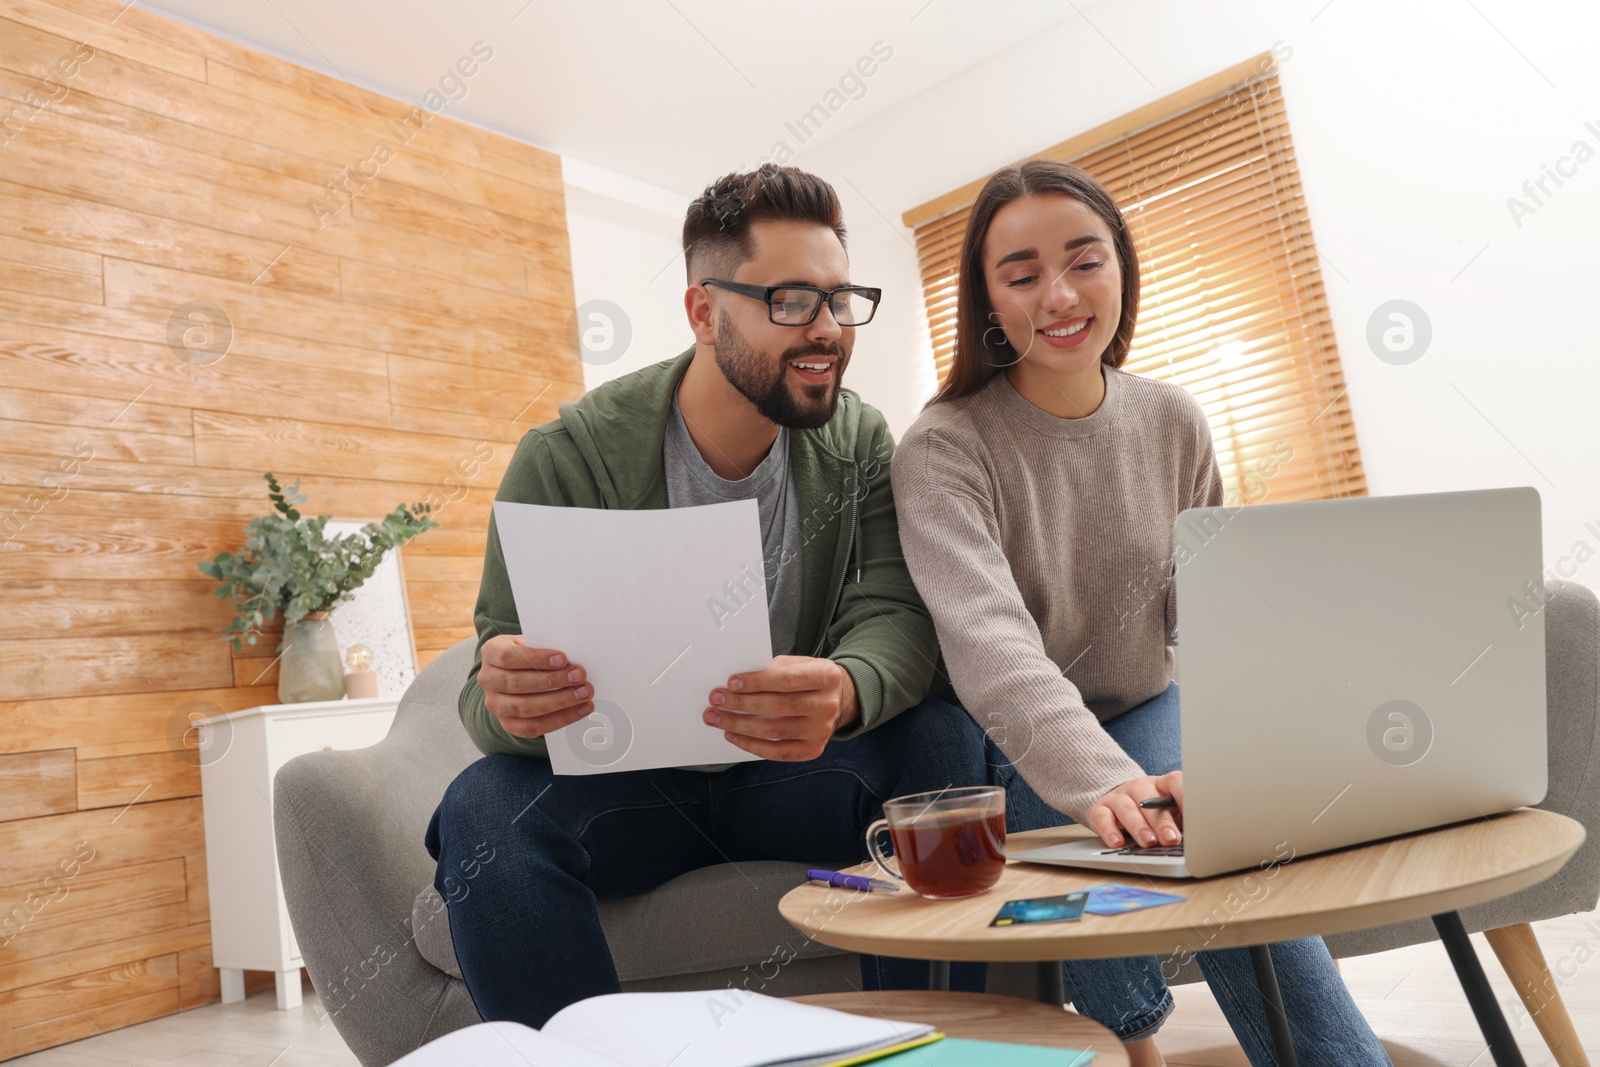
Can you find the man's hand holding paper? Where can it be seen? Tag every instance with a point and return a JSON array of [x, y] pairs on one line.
[[532, 691], [787, 712]]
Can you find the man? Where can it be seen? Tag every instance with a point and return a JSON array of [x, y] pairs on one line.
[[755, 409]]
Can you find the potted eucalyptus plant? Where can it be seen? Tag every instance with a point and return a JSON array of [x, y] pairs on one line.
[[289, 566]]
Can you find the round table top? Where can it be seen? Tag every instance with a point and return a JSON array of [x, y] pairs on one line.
[[983, 1017], [1421, 874]]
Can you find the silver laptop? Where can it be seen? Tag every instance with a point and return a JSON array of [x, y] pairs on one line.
[[1350, 670]]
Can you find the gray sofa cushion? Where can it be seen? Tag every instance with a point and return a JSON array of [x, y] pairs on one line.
[[430, 923], [706, 920]]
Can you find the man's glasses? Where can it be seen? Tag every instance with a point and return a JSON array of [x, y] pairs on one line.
[[797, 305]]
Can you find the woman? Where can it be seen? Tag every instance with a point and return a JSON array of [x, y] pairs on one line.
[[1036, 495]]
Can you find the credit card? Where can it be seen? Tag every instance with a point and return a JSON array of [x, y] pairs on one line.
[[1063, 909], [1115, 899]]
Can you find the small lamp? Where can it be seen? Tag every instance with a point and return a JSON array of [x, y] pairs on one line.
[[362, 681]]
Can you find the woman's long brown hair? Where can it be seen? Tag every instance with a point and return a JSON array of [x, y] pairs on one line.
[[977, 361]]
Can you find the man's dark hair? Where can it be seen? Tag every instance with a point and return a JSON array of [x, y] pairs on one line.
[[716, 232]]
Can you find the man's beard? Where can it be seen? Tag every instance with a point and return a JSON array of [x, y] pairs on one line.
[[766, 386]]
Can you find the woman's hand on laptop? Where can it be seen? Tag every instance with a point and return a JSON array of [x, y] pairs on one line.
[[532, 691], [1118, 813], [788, 711]]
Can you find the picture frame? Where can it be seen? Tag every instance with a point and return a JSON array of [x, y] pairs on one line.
[[378, 615]]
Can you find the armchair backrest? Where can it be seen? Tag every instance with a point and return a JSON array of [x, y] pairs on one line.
[[1572, 696]]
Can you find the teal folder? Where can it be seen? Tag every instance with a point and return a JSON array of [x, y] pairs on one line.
[[955, 1052]]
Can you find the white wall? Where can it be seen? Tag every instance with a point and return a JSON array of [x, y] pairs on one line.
[[1413, 125], [627, 269]]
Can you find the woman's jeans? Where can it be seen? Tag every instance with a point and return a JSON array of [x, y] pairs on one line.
[[1129, 996]]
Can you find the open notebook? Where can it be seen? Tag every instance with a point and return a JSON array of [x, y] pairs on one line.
[[703, 1028]]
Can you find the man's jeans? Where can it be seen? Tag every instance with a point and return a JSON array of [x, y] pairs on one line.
[[524, 857], [1129, 996]]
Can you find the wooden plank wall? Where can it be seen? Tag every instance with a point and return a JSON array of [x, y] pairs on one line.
[[391, 346]]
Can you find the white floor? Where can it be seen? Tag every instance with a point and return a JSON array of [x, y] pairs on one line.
[[1410, 996], [251, 1033]]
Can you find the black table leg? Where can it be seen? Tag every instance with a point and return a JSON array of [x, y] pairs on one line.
[[939, 975], [1272, 1004], [1051, 984], [1502, 1046]]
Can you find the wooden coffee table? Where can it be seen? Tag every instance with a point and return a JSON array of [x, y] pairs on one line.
[[1432, 873], [983, 1017]]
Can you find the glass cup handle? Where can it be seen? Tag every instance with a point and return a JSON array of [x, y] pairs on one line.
[[999, 840], [878, 857]]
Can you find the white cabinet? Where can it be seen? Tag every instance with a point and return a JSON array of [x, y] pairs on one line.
[[239, 754]]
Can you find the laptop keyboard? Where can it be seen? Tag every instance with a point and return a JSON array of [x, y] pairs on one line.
[[1140, 851]]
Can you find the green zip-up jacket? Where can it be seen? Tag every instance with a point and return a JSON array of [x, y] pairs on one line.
[[858, 605]]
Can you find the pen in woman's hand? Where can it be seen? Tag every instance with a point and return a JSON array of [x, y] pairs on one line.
[[1165, 800]]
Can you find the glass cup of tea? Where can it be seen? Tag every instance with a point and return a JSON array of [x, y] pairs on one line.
[[949, 843]]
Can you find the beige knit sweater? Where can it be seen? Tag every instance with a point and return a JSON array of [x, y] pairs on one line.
[[1044, 550]]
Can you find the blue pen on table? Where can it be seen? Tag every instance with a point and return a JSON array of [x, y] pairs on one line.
[[852, 881]]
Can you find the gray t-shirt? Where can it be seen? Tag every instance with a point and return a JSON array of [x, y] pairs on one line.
[[692, 482]]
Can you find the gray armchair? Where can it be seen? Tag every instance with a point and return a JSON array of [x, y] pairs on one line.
[[376, 939], [374, 933]]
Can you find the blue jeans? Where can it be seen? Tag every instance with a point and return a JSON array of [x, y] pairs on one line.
[[1130, 996], [525, 858]]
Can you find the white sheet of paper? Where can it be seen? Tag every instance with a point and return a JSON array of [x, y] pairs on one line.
[[659, 607]]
